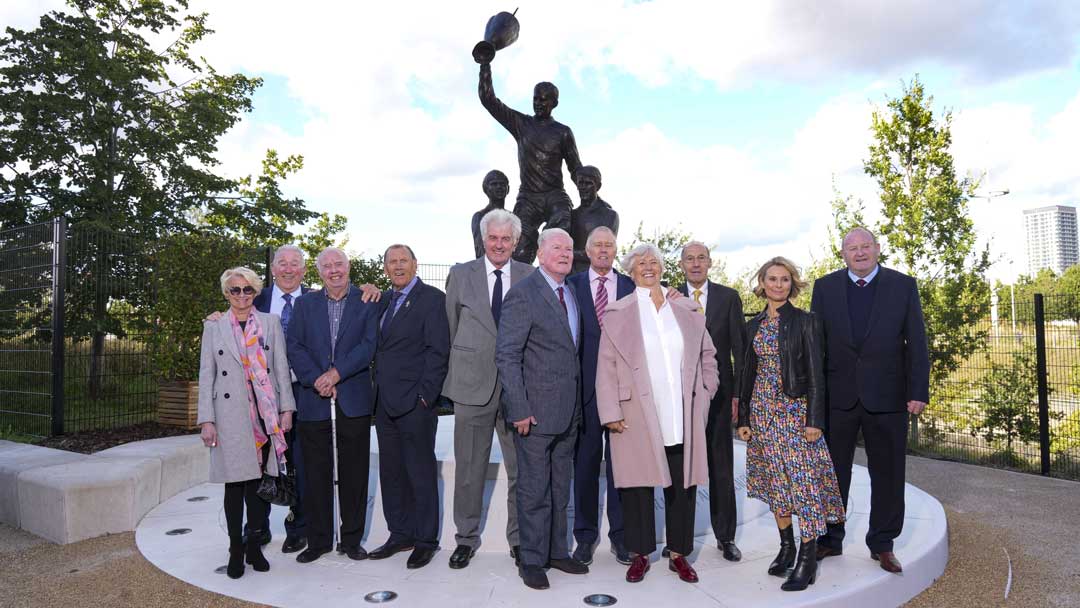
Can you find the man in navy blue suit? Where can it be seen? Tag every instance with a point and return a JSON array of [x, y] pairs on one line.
[[594, 288], [410, 367], [877, 373], [331, 341]]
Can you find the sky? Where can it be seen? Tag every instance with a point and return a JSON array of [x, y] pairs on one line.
[[731, 121]]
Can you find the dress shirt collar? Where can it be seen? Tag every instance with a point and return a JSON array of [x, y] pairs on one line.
[[550, 281], [405, 291], [593, 275], [490, 268], [704, 288], [870, 277], [644, 295], [278, 294]]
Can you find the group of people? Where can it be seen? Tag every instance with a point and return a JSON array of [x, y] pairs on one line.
[[569, 372]]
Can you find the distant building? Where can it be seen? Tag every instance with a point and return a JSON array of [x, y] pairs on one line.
[[1051, 238]]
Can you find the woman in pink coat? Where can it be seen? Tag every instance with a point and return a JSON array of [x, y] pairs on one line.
[[655, 377]]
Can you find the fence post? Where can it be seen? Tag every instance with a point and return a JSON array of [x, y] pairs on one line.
[[1044, 393], [59, 264]]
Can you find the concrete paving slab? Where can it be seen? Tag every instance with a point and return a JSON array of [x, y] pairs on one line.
[[15, 458]]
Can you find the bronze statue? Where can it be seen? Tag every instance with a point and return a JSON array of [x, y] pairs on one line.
[[496, 187], [591, 214], [543, 144]]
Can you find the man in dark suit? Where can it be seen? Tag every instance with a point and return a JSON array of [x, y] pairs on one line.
[[537, 356], [725, 324], [331, 342], [288, 270], [410, 366], [877, 372], [474, 295], [594, 288]]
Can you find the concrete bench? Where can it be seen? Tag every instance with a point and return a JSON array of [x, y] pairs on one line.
[[67, 497]]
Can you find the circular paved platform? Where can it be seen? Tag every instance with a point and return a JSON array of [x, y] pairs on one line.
[[491, 580]]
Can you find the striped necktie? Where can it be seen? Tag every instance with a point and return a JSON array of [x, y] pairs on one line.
[[601, 300]]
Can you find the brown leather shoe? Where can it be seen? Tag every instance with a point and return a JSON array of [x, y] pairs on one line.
[[683, 567], [888, 561], [823, 552], [638, 567]]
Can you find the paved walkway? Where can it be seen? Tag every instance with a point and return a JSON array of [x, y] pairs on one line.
[[995, 517]]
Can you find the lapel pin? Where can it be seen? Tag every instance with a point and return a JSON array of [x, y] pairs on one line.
[[407, 302]]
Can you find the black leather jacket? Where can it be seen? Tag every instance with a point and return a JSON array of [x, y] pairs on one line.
[[801, 363]]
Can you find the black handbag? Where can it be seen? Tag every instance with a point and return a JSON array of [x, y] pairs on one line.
[[280, 490]]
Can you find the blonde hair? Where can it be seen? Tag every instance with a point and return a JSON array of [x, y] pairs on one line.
[[244, 273], [797, 284]]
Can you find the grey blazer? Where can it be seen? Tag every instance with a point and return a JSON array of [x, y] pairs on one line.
[[537, 358], [472, 377], [223, 397]]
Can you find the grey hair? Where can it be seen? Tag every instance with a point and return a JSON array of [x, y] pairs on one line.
[[858, 229], [244, 273], [322, 254], [589, 241], [398, 246], [500, 217], [285, 248], [682, 252], [550, 232], [630, 259]]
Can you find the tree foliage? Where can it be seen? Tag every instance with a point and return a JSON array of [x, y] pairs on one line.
[[670, 242], [926, 227]]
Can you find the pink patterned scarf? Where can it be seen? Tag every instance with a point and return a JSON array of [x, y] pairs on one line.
[[263, 403]]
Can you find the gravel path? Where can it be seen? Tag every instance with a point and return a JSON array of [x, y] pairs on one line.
[[994, 517]]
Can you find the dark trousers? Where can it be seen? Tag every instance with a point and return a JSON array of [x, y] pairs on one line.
[[353, 450], [885, 437], [720, 456], [592, 442], [550, 209], [408, 475], [545, 463], [639, 511], [237, 494]]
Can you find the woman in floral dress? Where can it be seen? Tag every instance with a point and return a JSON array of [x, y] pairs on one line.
[[781, 414]]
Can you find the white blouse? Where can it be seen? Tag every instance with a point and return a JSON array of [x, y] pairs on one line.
[[663, 356]]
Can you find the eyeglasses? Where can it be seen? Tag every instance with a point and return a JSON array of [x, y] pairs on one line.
[[247, 290]]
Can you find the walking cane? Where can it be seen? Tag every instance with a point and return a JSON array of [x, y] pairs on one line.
[[337, 497]]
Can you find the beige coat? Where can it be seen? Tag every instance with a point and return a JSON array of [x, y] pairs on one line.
[[624, 392], [223, 397]]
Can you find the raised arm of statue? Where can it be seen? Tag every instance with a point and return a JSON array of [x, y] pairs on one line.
[[510, 119]]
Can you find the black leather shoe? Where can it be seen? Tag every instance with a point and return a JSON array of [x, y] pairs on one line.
[[461, 557], [621, 554], [805, 572], [534, 577], [731, 552], [515, 552], [785, 558], [568, 565], [254, 556], [583, 553], [293, 544], [311, 554], [389, 549], [356, 553], [420, 557], [665, 552]]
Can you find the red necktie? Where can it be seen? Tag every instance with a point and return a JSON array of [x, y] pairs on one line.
[[562, 300], [861, 282], [601, 300]]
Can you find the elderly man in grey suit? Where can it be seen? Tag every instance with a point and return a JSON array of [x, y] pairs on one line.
[[474, 295], [537, 356]]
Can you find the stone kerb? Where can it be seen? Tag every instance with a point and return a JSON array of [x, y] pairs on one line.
[[15, 459], [185, 461]]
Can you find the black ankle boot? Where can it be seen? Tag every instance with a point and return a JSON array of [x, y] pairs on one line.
[[805, 571], [786, 557], [255, 555], [235, 569]]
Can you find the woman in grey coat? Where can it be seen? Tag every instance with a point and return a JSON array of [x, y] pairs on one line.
[[245, 407]]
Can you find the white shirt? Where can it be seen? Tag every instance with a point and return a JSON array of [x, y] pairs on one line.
[[491, 278], [870, 277], [663, 357], [704, 293], [277, 302], [611, 284]]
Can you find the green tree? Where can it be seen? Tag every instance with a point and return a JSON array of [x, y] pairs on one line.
[[670, 242], [1008, 400], [926, 227]]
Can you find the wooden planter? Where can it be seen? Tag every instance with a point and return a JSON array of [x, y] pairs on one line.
[[178, 403]]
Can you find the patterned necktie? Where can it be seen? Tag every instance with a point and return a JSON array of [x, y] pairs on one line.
[[394, 295], [861, 282], [286, 312], [601, 300], [496, 297], [562, 300], [697, 298]]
